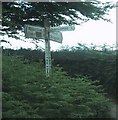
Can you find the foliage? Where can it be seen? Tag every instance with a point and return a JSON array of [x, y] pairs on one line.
[[28, 94], [96, 64], [83, 60], [16, 108], [16, 14]]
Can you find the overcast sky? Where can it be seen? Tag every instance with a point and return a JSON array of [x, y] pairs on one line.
[[96, 32]]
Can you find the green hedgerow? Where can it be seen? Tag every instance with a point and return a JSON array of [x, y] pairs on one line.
[[27, 93]]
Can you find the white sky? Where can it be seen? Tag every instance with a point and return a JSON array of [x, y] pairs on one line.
[[96, 32]]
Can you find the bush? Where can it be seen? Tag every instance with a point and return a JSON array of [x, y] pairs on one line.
[[27, 93]]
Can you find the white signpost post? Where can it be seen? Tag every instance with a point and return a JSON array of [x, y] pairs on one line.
[[48, 33], [47, 48]]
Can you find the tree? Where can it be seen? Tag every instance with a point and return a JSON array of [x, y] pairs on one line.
[[16, 14]]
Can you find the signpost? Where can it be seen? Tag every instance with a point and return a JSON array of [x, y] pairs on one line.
[[63, 28], [34, 32], [47, 48], [48, 33], [54, 36]]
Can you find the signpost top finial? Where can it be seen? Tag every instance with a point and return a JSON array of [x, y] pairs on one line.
[[46, 22]]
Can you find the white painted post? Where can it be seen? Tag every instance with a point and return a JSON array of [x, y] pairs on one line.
[[48, 33], [47, 48]]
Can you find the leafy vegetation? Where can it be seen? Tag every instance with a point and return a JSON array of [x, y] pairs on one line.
[[80, 60], [96, 64], [58, 13], [27, 93]]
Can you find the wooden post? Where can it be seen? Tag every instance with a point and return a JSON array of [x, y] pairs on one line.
[[47, 48]]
